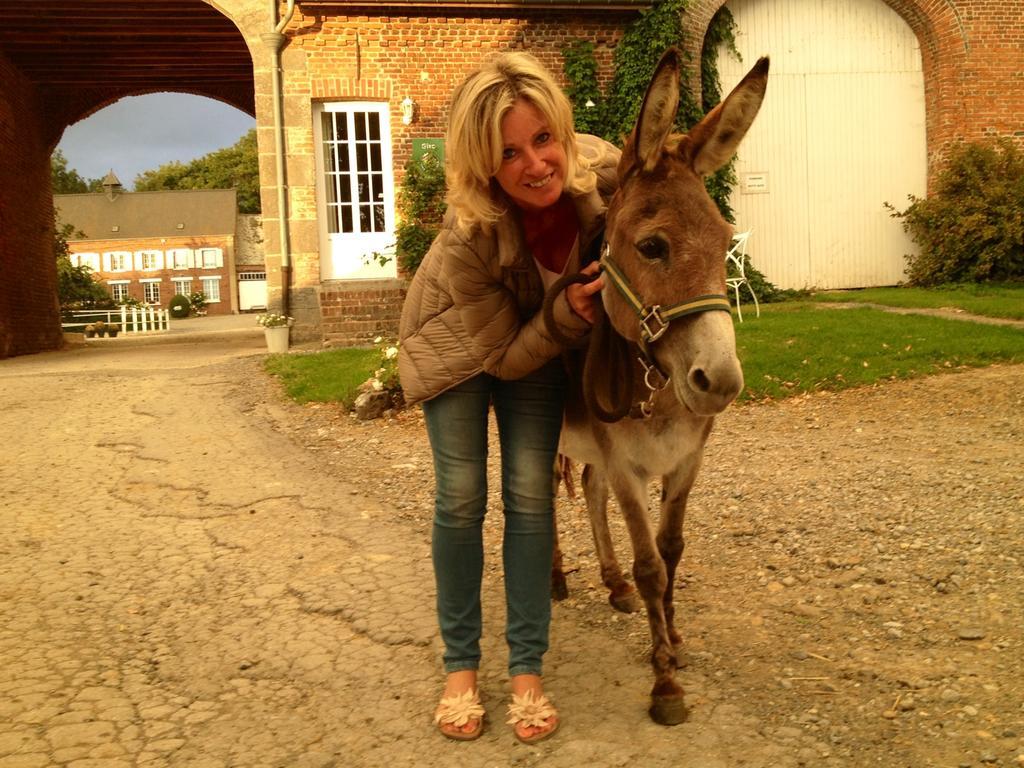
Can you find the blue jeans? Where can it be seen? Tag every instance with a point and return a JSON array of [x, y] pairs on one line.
[[529, 416]]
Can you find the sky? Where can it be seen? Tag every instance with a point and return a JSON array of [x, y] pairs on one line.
[[139, 133]]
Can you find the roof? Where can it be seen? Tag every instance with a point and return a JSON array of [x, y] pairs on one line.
[[149, 214]]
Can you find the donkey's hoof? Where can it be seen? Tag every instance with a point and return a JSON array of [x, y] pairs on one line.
[[628, 601], [668, 710]]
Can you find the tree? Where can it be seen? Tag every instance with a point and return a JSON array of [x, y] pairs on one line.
[[68, 181], [76, 287], [235, 167]]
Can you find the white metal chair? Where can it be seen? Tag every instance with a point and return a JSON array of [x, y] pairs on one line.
[[737, 257]]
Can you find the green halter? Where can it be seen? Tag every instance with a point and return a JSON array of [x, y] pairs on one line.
[[654, 319]]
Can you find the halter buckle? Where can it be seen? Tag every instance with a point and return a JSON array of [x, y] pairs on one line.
[[647, 407], [651, 371], [652, 314]]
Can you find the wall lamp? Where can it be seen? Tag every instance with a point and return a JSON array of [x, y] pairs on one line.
[[408, 110]]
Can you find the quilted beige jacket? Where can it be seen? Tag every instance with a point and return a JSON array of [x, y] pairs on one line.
[[474, 303]]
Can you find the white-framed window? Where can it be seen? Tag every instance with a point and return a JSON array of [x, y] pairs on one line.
[[151, 291], [356, 180], [151, 260], [182, 286], [179, 258], [117, 261], [210, 258], [90, 260], [119, 290], [211, 288]]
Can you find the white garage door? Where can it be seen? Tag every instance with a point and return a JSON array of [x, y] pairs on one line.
[[841, 132], [252, 290]]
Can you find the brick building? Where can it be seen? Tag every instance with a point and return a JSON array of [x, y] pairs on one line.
[[150, 246], [342, 91]]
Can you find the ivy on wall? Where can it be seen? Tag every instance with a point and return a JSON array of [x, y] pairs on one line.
[[421, 208], [581, 70], [636, 56], [721, 32]]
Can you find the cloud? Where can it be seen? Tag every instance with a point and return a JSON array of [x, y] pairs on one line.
[[139, 133]]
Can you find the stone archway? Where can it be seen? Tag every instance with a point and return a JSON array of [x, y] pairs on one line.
[[58, 65]]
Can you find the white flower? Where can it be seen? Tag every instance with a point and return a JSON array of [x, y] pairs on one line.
[[390, 353], [376, 385], [273, 320], [378, 340], [530, 711], [459, 709]]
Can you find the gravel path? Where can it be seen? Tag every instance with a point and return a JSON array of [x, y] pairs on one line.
[[196, 572], [852, 584]]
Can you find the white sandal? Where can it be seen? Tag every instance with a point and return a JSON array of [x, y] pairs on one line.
[[533, 712], [459, 710]]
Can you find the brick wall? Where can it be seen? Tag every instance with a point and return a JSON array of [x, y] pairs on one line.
[[425, 56], [355, 313], [29, 313], [388, 58]]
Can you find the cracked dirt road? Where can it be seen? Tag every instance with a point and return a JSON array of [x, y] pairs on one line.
[[194, 573]]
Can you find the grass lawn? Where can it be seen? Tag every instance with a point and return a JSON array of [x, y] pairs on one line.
[[330, 376], [792, 348], [992, 300], [796, 348]]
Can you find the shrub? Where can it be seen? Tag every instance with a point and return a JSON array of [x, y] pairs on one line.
[[765, 291], [197, 302], [972, 228], [77, 288], [421, 206], [179, 306]]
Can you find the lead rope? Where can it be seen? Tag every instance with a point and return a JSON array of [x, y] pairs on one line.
[[606, 350]]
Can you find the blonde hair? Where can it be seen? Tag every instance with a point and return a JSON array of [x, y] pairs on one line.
[[474, 143]]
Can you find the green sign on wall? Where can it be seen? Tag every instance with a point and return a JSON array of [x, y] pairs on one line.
[[435, 147]]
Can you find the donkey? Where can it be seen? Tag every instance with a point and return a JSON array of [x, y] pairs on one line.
[[661, 359]]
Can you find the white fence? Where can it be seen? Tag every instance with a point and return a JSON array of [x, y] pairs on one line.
[[132, 319]]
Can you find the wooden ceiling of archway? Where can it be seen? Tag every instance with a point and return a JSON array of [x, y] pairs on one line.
[[70, 49]]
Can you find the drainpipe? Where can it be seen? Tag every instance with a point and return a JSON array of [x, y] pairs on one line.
[[275, 40]]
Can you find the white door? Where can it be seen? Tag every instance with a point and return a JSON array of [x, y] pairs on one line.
[[841, 132], [355, 188]]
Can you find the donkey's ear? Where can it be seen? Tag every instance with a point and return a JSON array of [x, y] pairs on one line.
[[713, 141], [658, 112]]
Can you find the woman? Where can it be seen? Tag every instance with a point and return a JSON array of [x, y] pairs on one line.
[[526, 196]]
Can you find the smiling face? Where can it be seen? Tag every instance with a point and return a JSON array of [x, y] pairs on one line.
[[533, 166]]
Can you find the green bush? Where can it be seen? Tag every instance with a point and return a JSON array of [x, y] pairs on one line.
[[972, 228], [197, 302], [421, 207], [765, 291], [179, 306]]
